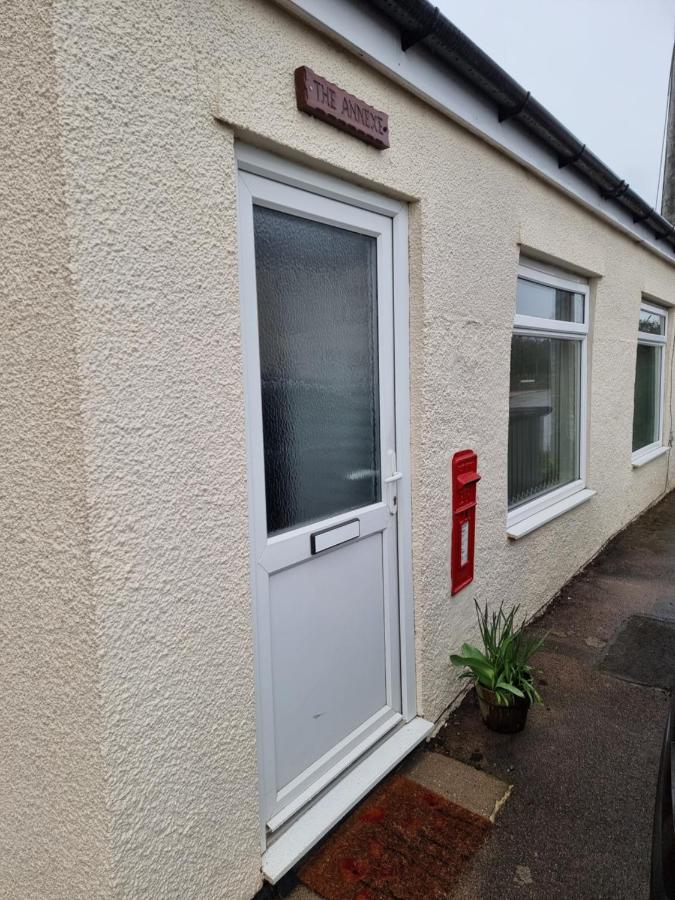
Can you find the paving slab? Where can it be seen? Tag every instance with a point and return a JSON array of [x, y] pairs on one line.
[[643, 651], [462, 784], [664, 609], [300, 892]]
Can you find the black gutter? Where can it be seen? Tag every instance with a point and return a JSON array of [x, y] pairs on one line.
[[420, 22]]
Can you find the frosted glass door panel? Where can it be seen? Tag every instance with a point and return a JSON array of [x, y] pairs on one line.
[[317, 325]]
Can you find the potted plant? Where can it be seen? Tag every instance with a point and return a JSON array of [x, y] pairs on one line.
[[501, 672]]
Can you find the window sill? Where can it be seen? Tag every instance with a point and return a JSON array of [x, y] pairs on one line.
[[515, 532], [641, 459]]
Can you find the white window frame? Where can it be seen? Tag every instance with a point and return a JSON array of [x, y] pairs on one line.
[[653, 450], [558, 498]]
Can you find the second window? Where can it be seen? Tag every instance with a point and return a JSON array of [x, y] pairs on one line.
[[648, 398], [547, 391]]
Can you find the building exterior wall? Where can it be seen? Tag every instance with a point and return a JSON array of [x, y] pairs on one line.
[[151, 190], [151, 100], [472, 211], [54, 826]]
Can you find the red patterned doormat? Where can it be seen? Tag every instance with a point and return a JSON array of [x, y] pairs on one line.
[[403, 841]]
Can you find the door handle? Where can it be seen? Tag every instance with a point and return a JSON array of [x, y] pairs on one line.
[[390, 481]]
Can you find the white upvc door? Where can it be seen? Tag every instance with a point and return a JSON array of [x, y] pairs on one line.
[[318, 322]]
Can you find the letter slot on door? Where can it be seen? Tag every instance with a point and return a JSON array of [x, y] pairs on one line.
[[464, 480]]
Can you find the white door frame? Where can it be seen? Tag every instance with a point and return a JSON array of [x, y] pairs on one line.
[[259, 162]]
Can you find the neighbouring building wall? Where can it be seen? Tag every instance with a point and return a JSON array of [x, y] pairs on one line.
[[151, 99], [668, 196], [53, 823]]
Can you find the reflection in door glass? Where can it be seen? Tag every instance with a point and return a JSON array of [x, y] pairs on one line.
[[317, 323]]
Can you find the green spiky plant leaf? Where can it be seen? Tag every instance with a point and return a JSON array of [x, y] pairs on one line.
[[503, 665]]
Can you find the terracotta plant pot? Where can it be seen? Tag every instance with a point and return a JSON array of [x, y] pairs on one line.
[[505, 719]]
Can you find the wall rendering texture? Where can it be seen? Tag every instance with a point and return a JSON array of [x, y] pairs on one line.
[[472, 213], [150, 187], [130, 622], [53, 826]]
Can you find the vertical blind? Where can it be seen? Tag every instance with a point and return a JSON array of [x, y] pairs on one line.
[[544, 397]]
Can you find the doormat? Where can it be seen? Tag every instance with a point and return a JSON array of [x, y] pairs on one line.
[[404, 841], [643, 652]]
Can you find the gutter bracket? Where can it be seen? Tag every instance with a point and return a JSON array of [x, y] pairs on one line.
[[664, 237], [616, 191], [421, 20], [504, 114], [637, 219], [414, 36], [563, 162]]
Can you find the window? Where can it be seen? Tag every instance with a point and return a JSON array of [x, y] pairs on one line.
[[547, 398], [648, 397]]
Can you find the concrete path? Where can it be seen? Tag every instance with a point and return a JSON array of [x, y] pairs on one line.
[[579, 819], [572, 796]]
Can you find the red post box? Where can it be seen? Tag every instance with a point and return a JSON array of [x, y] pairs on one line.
[[465, 477]]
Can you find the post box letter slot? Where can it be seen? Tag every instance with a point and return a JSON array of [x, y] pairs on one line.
[[465, 543]]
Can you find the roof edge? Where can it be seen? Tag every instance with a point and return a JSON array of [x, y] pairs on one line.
[[414, 44], [420, 22]]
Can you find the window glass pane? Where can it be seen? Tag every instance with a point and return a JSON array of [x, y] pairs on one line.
[[647, 396], [547, 302], [652, 323], [317, 323], [543, 416]]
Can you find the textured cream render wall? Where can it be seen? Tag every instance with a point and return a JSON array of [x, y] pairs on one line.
[[472, 211], [53, 821], [150, 189], [151, 194]]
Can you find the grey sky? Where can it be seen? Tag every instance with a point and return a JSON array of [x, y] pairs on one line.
[[600, 66]]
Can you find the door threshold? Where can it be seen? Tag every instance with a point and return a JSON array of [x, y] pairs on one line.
[[332, 775], [315, 822]]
